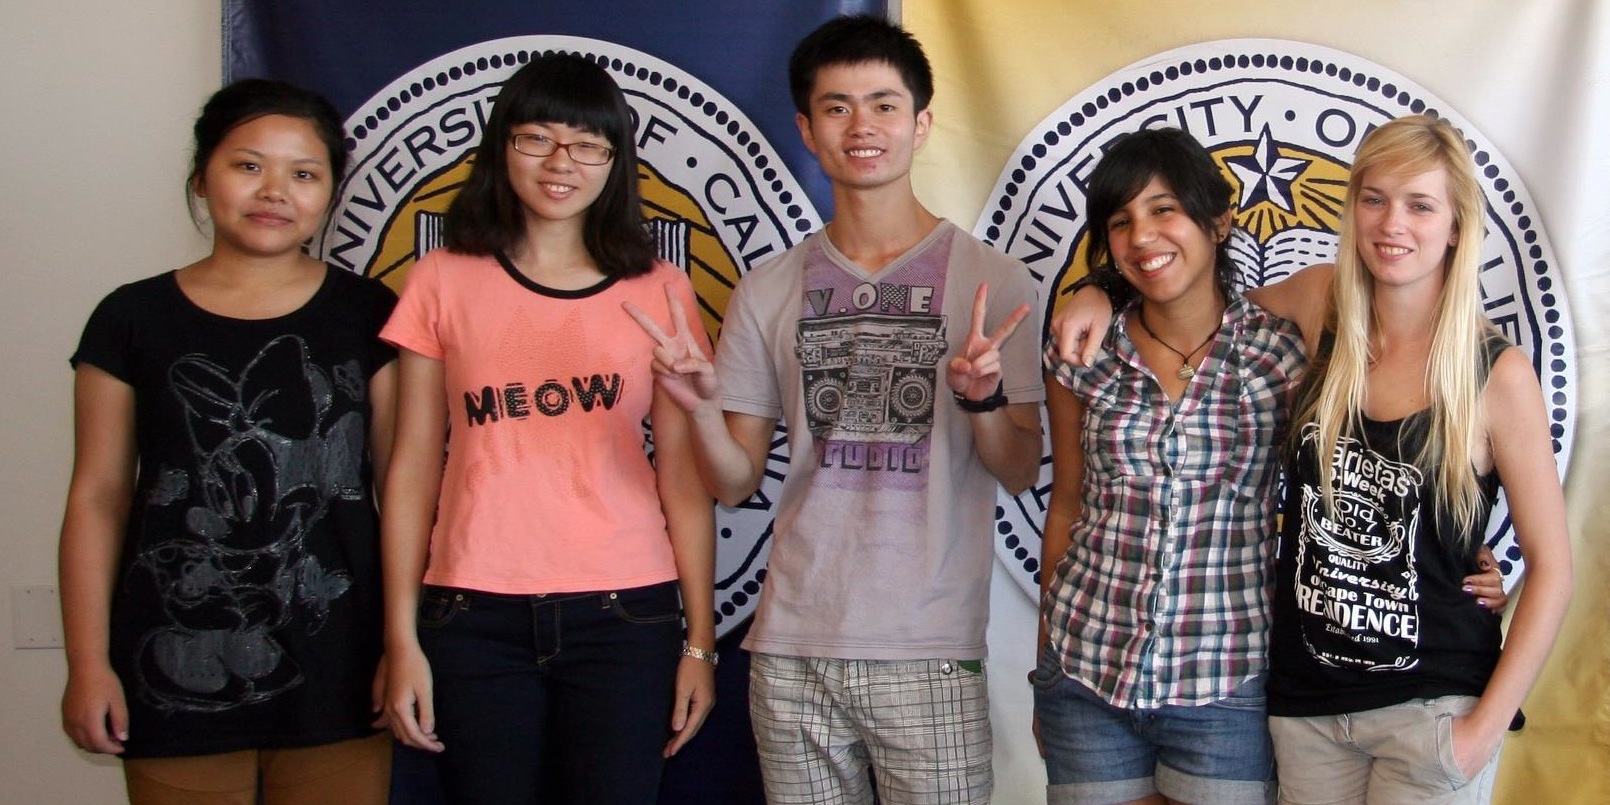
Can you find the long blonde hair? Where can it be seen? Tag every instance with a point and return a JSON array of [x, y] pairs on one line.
[[1456, 367]]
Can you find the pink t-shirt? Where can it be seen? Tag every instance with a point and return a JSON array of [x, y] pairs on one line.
[[547, 487]]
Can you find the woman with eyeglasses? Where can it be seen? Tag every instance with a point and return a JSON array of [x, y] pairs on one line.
[[538, 573]]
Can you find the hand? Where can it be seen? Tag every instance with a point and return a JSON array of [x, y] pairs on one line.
[[976, 371], [409, 702], [1082, 325], [680, 365], [1487, 587], [377, 697], [93, 711], [695, 695], [1471, 750]]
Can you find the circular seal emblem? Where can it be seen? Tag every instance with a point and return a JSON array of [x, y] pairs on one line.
[[715, 193], [1283, 120]]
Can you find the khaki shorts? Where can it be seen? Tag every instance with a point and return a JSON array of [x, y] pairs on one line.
[[356, 772], [1398, 754]]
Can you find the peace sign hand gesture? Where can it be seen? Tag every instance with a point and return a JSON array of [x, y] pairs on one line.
[[680, 365], [975, 372]]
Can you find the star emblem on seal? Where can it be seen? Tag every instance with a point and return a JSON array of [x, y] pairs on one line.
[[1265, 175]]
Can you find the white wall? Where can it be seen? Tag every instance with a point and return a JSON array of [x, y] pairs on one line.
[[97, 97]]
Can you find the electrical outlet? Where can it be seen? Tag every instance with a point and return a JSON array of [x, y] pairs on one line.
[[35, 616]]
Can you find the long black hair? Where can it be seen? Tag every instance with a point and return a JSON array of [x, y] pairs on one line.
[[486, 216], [1181, 162]]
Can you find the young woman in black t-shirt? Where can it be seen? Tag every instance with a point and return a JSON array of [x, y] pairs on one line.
[[219, 552]]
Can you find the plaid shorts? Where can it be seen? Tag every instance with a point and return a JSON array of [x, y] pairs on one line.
[[921, 726]]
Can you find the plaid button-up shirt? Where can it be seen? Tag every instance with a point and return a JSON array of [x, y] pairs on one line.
[[1163, 596]]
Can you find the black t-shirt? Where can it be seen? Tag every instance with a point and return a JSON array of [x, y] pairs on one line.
[[1369, 608], [247, 607]]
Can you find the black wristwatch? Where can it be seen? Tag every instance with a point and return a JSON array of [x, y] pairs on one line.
[[984, 406]]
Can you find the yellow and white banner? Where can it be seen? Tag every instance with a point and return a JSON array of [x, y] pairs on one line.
[[1030, 90]]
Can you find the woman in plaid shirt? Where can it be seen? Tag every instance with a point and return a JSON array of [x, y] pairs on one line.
[[1161, 523], [1161, 527]]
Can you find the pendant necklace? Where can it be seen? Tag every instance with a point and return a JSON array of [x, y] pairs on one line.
[[1186, 371]]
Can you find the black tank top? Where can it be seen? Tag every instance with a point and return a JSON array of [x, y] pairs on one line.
[[1369, 609]]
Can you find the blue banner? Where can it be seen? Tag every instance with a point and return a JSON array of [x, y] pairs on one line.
[[726, 184], [350, 50]]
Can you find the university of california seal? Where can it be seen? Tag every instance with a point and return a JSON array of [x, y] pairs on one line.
[[1283, 120]]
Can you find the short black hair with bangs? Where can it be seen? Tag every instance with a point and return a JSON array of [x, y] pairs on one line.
[[486, 217], [859, 39], [1129, 164]]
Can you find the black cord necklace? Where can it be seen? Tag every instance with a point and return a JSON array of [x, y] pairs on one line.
[[1186, 371]]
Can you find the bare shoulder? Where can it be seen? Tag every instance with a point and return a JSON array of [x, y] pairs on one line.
[[1302, 298], [1512, 386]]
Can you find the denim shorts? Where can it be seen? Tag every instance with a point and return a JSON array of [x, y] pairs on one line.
[[1096, 753]]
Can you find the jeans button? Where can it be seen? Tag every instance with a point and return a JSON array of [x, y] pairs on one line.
[[947, 667]]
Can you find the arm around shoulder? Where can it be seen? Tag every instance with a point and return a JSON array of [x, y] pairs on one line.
[[1080, 327], [1302, 298]]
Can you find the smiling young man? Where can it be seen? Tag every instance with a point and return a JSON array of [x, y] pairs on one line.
[[882, 343]]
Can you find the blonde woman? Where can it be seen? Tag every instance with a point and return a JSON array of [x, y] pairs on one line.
[[1386, 685]]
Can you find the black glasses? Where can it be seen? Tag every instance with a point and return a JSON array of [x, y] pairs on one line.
[[539, 145]]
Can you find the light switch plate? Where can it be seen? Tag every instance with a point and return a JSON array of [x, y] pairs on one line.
[[35, 616]]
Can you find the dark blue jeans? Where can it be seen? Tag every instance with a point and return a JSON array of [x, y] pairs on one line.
[[561, 698]]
